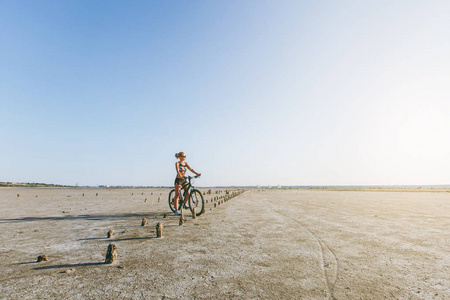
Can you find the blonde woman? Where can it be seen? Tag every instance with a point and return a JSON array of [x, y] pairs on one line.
[[180, 182]]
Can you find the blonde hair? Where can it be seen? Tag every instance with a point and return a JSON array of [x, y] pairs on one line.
[[177, 155]]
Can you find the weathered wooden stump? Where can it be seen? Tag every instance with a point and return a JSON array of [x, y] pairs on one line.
[[96, 194], [18, 195], [142, 194], [159, 229], [215, 205], [165, 216], [159, 199], [42, 258], [83, 194], [181, 221], [146, 199], [151, 193], [68, 271], [111, 254], [110, 233], [194, 214], [144, 222], [36, 196]]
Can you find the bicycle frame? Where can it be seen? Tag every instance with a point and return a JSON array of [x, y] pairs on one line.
[[188, 188]]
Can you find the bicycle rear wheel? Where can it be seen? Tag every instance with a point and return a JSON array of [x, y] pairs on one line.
[[196, 202], [171, 198]]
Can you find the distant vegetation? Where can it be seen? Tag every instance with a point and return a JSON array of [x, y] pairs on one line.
[[29, 184], [383, 189]]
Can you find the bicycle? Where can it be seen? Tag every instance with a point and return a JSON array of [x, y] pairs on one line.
[[195, 202]]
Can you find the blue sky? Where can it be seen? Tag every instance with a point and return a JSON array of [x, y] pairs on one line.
[[255, 92]]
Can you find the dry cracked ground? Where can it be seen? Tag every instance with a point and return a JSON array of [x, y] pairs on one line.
[[262, 244]]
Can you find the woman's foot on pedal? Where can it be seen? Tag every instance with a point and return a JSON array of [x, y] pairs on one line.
[[177, 213]]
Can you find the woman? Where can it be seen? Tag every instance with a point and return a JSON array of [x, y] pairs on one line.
[[180, 182]]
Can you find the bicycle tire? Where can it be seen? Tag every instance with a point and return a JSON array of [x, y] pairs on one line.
[[172, 197], [196, 202]]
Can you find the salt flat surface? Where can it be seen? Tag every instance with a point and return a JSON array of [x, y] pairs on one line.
[[270, 244]]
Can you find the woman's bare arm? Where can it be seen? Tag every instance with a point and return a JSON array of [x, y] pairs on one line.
[[192, 170]]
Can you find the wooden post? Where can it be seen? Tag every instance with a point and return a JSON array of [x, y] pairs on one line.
[[159, 229], [181, 216], [83, 194], [110, 233], [42, 258], [144, 222], [18, 195], [194, 214], [96, 194], [159, 199], [111, 254], [145, 199], [165, 216]]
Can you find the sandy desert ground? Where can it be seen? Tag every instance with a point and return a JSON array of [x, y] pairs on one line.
[[262, 244]]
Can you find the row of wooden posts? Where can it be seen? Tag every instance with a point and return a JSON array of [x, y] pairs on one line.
[[111, 252]]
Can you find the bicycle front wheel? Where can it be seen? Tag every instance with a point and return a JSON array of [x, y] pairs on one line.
[[196, 202]]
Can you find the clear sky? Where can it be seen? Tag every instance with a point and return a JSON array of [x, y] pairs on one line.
[[255, 92]]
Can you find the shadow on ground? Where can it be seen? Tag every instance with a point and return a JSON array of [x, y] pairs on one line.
[[70, 266], [93, 217]]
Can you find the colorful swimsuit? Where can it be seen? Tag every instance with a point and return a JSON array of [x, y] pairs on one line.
[[181, 181], [182, 168]]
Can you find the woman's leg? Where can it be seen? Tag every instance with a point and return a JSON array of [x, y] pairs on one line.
[[177, 195]]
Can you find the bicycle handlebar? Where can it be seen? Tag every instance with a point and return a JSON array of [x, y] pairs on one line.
[[190, 177]]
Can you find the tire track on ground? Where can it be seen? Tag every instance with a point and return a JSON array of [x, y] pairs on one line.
[[327, 256]]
